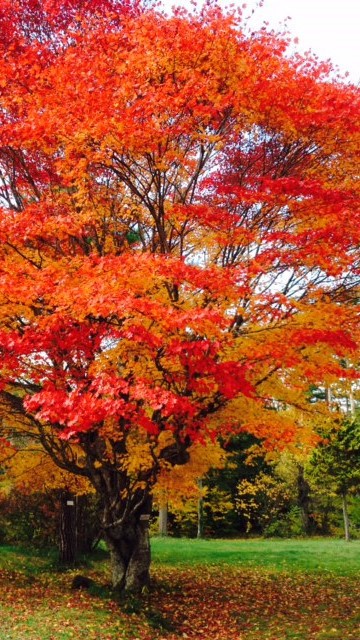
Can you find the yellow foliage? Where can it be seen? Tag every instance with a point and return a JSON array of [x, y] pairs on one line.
[[179, 484], [34, 471]]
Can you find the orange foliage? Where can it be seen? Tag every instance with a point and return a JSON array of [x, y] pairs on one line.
[[178, 231]]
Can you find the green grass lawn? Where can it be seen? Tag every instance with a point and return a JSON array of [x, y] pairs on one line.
[[202, 589], [312, 555]]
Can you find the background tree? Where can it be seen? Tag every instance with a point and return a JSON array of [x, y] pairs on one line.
[[335, 466], [279, 501], [181, 490], [59, 507], [176, 258], [245, 459]]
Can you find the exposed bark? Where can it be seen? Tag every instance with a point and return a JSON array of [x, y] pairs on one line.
[[125, 524], [130, 555], [163, 520]]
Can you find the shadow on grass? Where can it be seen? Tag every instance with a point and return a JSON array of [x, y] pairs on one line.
[[141, 605], [27, 560]]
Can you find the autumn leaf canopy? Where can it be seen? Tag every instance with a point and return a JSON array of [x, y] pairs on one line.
[[179, 231]]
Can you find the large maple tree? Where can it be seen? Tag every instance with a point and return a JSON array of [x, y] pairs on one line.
[[178, 233]]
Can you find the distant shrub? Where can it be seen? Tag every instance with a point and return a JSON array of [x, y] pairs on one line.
[[28, 519], [289, 525]]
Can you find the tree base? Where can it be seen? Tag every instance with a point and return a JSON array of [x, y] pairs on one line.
[[130, 558]]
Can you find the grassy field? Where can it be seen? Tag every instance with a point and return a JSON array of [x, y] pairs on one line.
[[314, 555], [210, 590]]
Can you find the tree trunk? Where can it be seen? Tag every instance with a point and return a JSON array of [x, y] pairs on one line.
[[163, 520], [200, 514], [67, 537], [87, 524], [346, 517], [129, 548], [352, 406], [304, 502]]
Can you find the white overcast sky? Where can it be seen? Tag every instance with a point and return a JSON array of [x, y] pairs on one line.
[[330, 28]]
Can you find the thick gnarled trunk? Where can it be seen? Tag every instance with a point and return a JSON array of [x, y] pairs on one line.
[[130, 555], [125, 528]]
